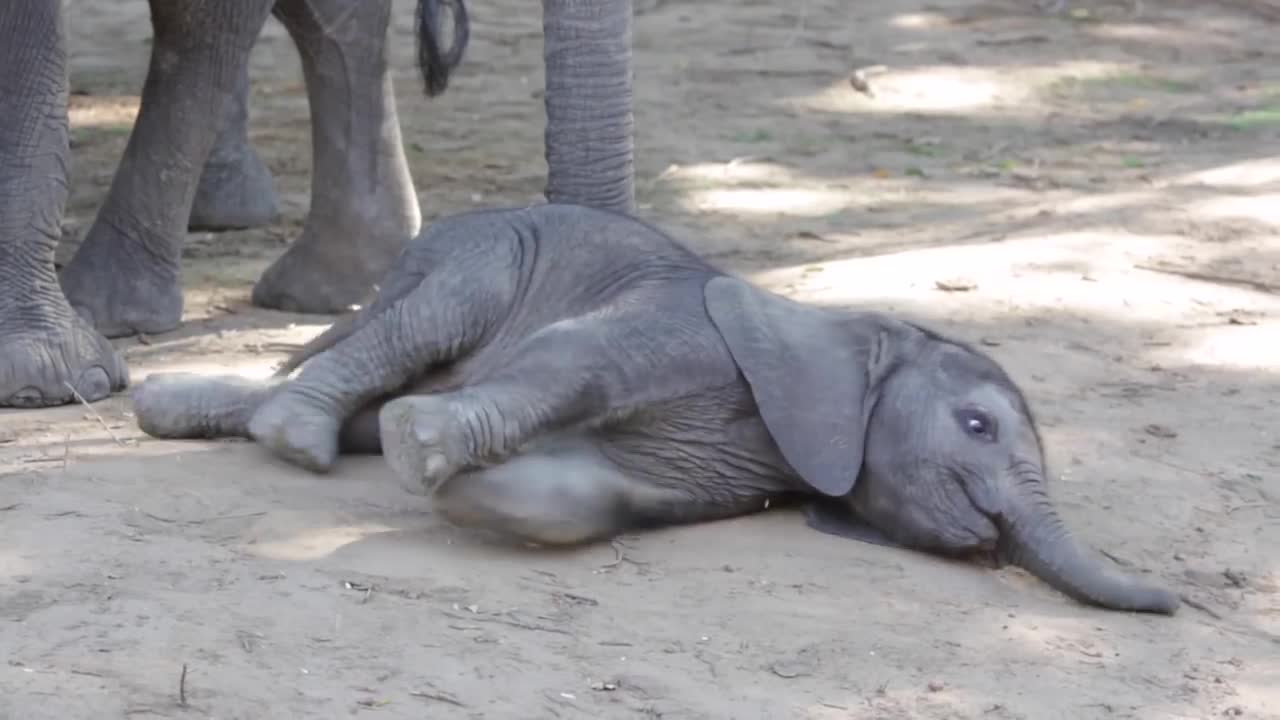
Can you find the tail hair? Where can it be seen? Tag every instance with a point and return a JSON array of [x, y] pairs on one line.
[[435, 62]]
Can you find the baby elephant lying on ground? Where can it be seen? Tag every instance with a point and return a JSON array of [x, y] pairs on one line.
[[561, 374]]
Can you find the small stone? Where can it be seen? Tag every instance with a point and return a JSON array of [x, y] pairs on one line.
[[935, 686]]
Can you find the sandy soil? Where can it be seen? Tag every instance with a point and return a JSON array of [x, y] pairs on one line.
[[1095, 198]]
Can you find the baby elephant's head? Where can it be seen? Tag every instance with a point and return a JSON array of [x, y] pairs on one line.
[[924, 439]]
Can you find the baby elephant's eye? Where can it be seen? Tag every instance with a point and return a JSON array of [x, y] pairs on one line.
[[977, 423]]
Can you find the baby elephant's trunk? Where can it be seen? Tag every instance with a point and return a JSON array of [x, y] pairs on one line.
[[1039, 541]]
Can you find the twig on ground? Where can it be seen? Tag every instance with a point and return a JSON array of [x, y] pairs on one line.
[[620, 557], [182, 687], [93, 412], [1116, 559], [1213, 278], [443, 697], [288, 347], [1200, 606], [505, 621]]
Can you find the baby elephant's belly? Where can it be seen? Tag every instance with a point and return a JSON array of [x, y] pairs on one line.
[[711, 450]]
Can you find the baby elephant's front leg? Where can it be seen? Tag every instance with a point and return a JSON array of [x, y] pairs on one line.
[[424, 440], [188, 406]]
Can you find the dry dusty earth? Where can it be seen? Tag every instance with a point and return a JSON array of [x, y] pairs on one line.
[[1094, 197]]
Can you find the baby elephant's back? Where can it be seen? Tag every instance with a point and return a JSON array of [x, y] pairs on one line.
[[584, 258], [563, 260], [605, 282]]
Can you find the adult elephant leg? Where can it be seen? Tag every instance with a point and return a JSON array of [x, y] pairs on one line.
[[235, 189], [47, 353], [363, 206], [589, 135], [126, 277]]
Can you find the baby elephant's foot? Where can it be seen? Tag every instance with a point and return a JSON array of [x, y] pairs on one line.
[[423, 441], [298, 431], [186, 405]]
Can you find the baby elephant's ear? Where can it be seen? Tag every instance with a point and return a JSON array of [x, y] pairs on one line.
[[810, 375]]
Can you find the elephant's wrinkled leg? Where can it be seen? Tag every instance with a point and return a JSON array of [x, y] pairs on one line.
[[559, 377], [568, 492], [47, 353], [184, 405], [590, 128], [187, 406], [443, 318], [126, 277], [363, 206], [549, 498], [235, 189]]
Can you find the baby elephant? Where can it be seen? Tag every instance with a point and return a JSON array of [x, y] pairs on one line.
[[561, 374]]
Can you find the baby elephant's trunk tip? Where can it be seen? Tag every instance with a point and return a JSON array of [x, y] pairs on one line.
[[1041, 544]]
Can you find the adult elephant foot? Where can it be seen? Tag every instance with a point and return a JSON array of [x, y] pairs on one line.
[[363, 206], [236, 190], [119, 292], [48, 356], [335, 263], [125, 279]]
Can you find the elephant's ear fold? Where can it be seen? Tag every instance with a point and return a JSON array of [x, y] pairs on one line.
[[811, 373]]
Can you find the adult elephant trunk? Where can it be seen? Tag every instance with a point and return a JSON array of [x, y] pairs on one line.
[[1036, 539], [589, 135]]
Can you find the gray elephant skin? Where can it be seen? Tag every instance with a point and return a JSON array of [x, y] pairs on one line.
[[560, 374], [188, 162]]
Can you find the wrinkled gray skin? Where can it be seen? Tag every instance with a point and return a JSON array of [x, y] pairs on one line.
[[188, 163], [561, 374]]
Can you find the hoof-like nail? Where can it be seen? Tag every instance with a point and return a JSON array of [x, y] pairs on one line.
[[435, 464]]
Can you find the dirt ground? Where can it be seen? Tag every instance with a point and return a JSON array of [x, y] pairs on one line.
[[1094, 197]]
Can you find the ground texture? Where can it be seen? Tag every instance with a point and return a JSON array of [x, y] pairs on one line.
[[1093, 196]]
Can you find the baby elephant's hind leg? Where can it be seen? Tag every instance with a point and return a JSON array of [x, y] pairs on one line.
[[189, 406], [543, 498]]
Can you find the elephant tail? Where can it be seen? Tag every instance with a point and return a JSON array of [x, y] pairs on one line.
[[340, 329], [434, 60]]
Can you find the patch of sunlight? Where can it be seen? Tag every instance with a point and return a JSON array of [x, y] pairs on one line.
[[116, 112], [946, 89], [12, 566], [1243, 347], [785, 201], [919, 21], [1037, 273], [1262, 208], [736, 169], [1250, 173], [1153, 34], [1258, 699], [316, 543], [951, 700], [254, 367]]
